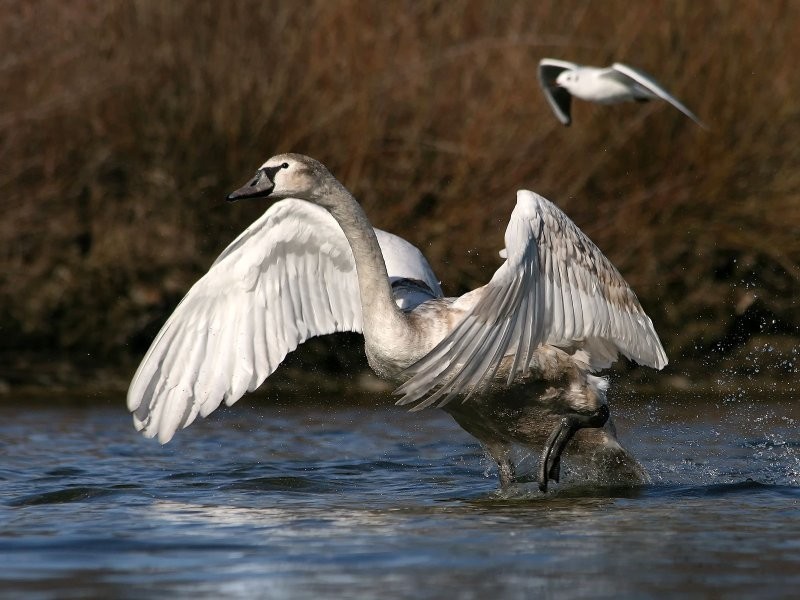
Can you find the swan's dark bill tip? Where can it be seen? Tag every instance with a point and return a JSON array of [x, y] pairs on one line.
[[250, 191]]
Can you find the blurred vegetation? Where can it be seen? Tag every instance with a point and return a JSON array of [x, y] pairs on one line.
[[124, 124]]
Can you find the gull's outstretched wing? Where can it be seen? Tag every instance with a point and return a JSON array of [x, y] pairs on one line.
[[555, 288], [651, 85], [288, 277], [559, 98]]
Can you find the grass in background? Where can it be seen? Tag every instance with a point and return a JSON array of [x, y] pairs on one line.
[[124, 124]]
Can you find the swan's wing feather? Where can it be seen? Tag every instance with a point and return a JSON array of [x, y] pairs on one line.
[[555, 288], [559, 99], [413, 281], [652, 86], [288, 277]]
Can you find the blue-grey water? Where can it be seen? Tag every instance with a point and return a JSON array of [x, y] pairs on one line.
[[325, 500]]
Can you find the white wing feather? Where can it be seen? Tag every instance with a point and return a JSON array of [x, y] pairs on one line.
[[652, 86], [288, 277], [555, 288]]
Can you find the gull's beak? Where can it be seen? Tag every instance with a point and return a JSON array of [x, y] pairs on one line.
[[259, 186]]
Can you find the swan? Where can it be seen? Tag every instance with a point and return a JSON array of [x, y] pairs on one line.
[[512, 361], [561, 80]]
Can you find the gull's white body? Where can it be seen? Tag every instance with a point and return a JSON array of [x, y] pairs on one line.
[[560, 80], [595, 85], [554, 312]]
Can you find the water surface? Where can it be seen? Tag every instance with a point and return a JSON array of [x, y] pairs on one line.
[[326, 500]]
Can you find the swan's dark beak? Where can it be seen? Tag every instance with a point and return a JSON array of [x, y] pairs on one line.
[[259, 186]]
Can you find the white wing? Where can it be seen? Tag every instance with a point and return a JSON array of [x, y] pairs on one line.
[[407, 269], [288, 277], [559, 98], [652, 86], [555, 288]]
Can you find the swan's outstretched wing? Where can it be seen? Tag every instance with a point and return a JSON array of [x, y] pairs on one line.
[[288, 277], [413, 281], [556, 288], [559, 98], [631, 75]]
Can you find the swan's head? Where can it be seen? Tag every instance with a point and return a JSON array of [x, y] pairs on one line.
[[286, 176]]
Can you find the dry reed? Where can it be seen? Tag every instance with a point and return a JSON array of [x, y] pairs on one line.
[[123, 125]]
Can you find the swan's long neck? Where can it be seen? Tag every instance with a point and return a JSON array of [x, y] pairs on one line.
[[384, 323]]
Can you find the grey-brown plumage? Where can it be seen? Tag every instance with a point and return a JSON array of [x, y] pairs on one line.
[[511, 361]]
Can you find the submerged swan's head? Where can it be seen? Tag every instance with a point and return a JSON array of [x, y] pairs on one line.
[[287, 176]]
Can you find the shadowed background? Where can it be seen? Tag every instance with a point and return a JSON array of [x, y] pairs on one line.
[[123, 125]]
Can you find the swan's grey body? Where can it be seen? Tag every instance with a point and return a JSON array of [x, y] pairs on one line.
[[509, 361], [561, 80]]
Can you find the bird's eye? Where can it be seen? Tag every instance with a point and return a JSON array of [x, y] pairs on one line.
[[285, 165]]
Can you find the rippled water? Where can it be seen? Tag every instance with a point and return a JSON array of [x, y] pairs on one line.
[[311, 501]]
